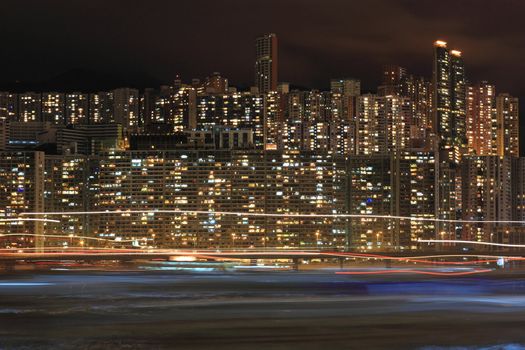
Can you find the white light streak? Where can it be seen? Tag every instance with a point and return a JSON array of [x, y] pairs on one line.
[[471, 242], [286, 215], [64, 236], [28, 219]]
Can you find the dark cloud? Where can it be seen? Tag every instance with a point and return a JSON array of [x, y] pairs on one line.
[[318, 39]]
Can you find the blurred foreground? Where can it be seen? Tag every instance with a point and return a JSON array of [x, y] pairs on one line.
[[207, 306]]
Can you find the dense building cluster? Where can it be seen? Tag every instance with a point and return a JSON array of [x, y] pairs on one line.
[[441, 148]]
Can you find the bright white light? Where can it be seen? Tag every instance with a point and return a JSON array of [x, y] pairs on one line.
[[61, 236], [302, 215], [471, 242], [28, 219]]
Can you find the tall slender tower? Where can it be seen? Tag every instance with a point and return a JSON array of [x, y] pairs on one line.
[[266, 62], [448, 125], [458, 104], [449, 110], [507, 116]]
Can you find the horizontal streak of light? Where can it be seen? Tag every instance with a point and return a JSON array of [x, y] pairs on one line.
[[419, 272], [68, 248], [63, 236], [286, 215], [471, 242], [29, 219], [412, 259], [24, 284], [213, 254], [104, 251]]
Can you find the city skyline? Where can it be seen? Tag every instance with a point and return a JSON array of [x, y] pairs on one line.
[[436, 148], [231, 174], [87, 80], [373, 50]]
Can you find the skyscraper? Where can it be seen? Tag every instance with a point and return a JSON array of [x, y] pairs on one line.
[[458, 104], [22, 188], [53, 108], [481, 123], [486, 195], [101, 108], [507, 119], [29, 107], [449, 109], [126, 107], [77, 105], [383, 124], [448, 128], [8, 106], [266, 63]]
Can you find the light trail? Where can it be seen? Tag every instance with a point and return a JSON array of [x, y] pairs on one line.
[[471, 242], [235, 255], [67, 249], [411, 271], [415, 259], [284, 215], [64, 236], [28, 219], [108, 252]]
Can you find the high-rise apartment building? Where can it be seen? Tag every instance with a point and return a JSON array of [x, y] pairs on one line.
[[312, 120], [77, 105], [29, 107], [367, 124], [399, 184], [22, 190], [517, 232], [126, 108], [66, 189], [383, 124], [101, 108], [266, 64], [486, 195], [241, 110], [53, 108], [273, 120], [370, 192], [481, 119], [8, 106], [449, 102], [396, 81], [252, 181], [458, 104], [508, 125], [448, 133]]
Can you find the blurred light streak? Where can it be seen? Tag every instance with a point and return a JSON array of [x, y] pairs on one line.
[[471, 242], [63, 236], [28, 219], [248, 214], [411, 271]]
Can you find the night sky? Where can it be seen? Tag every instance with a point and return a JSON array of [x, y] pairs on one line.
[[149, 42]]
